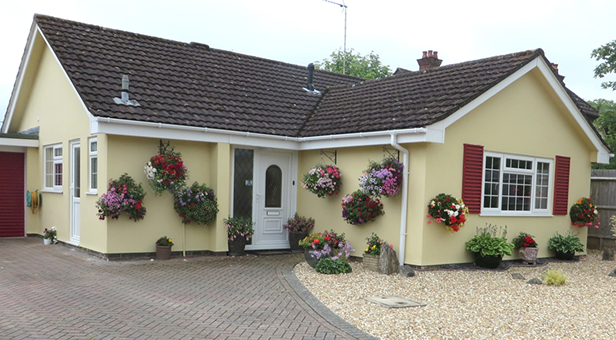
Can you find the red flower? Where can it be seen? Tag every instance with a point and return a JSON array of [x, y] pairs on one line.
[[326, 238], [316, 241]]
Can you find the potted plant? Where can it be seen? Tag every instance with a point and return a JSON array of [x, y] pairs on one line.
[[239, 230], [565, 246], [337, 264], [448, 210], [166, 170], [372, 252], [489, 246], [196, 203], [123, 195], [320, 245], [583, 213], [50, 236], [358, 208], [298, 228], [526, 245], [322, 180], [163, 248], [382, 179]]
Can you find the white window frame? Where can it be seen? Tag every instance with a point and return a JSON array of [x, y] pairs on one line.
[[498, 211], [53, 162], [93, 156]]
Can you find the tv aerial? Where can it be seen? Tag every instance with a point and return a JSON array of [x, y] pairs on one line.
[[344, 7]]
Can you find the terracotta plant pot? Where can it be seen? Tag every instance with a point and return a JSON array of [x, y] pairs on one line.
[[163, 252], [488, 261], [237, 246], [371, 262], [529, 254], [294, 238]]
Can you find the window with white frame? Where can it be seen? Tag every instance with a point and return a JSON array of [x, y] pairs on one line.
[[516, 184], [53, 167], [93, 164]]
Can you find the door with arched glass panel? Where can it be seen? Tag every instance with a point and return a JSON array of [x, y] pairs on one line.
[[274, 187]]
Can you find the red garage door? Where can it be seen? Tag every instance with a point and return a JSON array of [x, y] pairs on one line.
[[12, 194]]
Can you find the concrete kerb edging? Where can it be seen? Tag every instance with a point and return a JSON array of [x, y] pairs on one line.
[[316, 305]]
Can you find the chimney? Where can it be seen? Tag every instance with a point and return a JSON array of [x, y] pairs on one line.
[[310, 76], [429, 60], [555, 67], [124, 95]]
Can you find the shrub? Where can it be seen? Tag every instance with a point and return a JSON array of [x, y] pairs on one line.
[[565, 244], [331, 266], [554, 277], [487, 242]]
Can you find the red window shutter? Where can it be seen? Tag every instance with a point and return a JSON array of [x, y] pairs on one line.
[[472, 171], [561, 185]]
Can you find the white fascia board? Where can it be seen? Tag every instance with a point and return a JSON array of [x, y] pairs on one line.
[[53, 53], [20, 79], [490, 93], [18, 142], [121, 127]]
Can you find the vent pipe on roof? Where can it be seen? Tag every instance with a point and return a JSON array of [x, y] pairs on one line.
[[429, 60], [310, 86], [125, 97]]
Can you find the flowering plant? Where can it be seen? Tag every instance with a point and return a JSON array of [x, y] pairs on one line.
[[164, 241], [446, 209], [382, 179], [317, 241], [322, 180], [374, 245], [583, 213], [239, 227], [299, 223], [524, 240], [51, 234], [166, 171], [123, 195], [196, 203], [358, 208]]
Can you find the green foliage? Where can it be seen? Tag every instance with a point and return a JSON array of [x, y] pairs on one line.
[[330, 266], [239, 227], [524, 240], [367, 67], [565, 244], [164, 241], [487, 242], [299, 223], [374, 245], [606, 125], [606, 54], [196, 203], [554, 277]]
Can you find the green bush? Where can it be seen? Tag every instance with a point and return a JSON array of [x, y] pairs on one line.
[[554, 277], [488, 242], [565, 244], [329, 266]]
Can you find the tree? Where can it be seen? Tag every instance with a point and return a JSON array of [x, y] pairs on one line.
[[607, 55], [606, 125], [367, 67]]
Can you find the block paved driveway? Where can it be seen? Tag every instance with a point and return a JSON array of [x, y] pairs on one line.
[[56, 292]]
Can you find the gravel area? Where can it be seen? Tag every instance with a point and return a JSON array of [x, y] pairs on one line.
[[476, 304]]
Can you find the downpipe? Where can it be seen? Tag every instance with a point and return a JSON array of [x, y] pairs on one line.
[[405, 196]]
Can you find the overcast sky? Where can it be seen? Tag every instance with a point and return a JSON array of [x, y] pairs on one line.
[[303, 31]]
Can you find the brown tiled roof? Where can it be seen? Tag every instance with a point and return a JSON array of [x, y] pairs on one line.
[[194, 85], [181, 83]]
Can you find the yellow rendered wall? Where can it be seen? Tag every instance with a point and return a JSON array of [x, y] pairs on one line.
[[129, 155], [327, 212], [523, 119], [53, 105]]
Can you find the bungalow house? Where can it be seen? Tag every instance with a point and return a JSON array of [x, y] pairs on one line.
[[250, 128]]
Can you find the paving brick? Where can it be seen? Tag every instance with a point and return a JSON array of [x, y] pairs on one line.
[[56, 292]]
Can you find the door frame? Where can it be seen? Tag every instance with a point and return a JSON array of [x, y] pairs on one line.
[[74, 202], [292, 191]]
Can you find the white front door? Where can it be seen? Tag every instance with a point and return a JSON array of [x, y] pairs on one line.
[[273, 200], [75, 192]]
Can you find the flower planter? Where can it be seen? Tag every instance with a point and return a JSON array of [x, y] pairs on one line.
[[371, 262], [568, 256], [312, 260], [294, 238], [488, 261], [163, 252], [46, 241], [529, 255], [236, 246]]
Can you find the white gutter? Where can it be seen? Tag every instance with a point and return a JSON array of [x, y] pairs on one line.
[[405, 196], [157, 130]]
